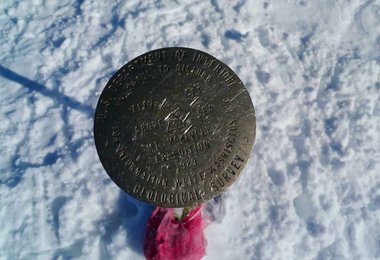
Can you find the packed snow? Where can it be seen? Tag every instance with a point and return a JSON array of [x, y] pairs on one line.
[[311, 189]]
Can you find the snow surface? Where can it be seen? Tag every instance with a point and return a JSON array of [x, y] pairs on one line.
[[312, 187]]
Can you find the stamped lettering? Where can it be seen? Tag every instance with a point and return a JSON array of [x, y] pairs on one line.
[[169, 127]]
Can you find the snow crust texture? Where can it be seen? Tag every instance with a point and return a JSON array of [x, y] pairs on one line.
[[312, 187]]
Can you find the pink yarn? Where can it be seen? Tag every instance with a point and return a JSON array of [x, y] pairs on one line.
[[168, 239]]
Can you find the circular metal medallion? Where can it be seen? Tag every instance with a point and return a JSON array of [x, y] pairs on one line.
[[174, 127]]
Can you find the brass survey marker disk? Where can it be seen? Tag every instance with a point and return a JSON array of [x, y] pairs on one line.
[[174, 127]]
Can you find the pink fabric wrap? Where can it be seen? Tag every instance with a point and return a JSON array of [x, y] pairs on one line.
[[168, 239]]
